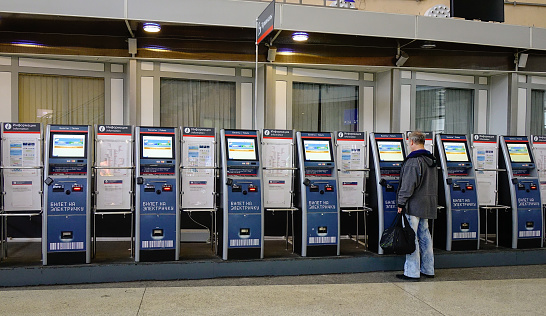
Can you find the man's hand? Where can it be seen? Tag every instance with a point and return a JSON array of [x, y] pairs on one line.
[[399, 210]]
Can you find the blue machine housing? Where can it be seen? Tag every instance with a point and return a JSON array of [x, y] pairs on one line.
[[157, 195], [66, 224], [242, 197], [458, 223], [383, 186], [519, 188], [318, 225]]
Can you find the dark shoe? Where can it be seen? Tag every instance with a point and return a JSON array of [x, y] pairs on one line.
[[430, 276], [407, 278]]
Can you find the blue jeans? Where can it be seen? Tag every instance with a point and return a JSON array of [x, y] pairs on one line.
[[422, 259]]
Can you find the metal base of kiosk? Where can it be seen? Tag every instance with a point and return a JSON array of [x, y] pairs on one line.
[[65, 258], [157, 255]]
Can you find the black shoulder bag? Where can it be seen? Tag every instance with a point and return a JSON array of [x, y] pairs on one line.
[[398, 239]]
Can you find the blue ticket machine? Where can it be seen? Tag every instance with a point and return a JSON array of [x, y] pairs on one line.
[[387, 153], [157, 225], [318, 226], [458, 223], [67, 195], [242, 197], [519, 188]]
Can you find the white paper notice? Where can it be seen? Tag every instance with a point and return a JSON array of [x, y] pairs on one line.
[[21, 191], [114, 153], [277, 156], [113, 192]]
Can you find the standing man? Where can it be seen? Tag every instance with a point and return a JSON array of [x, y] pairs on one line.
[[418, 196]]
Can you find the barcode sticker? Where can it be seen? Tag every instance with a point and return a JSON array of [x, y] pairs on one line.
[[243, 242], [465, 235], [157, 244], [74, 245], [529, 233], [322, 240]]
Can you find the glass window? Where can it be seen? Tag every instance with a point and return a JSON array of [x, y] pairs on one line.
[[444, 110], [198, 103], [324, 108], [538, 112], [50, 99]]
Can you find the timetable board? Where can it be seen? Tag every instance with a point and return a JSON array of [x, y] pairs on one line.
[[198, 167], [22, 148], [114, 148], [278, 161], [485, 155]]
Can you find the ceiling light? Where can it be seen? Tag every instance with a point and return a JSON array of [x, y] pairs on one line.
[[428, 45], [300, 36], [156, 48], [27, 44], [151, 27]]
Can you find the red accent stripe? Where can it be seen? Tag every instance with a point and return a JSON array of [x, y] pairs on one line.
[[241, 135], [387, 138], [539, 142], [320, 137], [280, 137], [265, 34], [198, 136], [351, 140], [157, 133], [68, 131], [516, 141], [484, 142], [116, 134], [21, 132]]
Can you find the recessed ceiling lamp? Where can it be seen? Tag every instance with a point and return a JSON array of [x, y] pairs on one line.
[[300, 36], [428, 45], [27, 44], [151, 27]]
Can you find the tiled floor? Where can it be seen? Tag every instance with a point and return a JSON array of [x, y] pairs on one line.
[[517, 290]]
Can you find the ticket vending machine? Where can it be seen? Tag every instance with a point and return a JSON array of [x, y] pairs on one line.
[[113, 176], [21, 169], [351, 168], [458, 224], [318, 225], [157, 225], [242, 195], [67, 195], [387, 153], [520, 189]]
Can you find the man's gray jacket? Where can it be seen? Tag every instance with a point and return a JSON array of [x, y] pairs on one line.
[[418, 187]]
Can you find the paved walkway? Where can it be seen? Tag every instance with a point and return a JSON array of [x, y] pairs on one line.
[[477, 291]]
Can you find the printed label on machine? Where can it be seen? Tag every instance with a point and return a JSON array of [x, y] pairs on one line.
[[59, 246], [146, 244]]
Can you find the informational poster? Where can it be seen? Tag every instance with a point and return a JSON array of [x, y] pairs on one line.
[[21, 148], [429, 141], [351, 158], [539, 153], [278, 161], [198, 167], [485, 157], [114, 148]]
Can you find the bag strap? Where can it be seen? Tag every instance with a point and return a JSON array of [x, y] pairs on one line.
[[406, 222], [396, 219]]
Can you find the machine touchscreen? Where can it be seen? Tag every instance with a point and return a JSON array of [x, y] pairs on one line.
[[317, 150], [390, 151], [519, 152], [156, 147], [68, 145], [456, 151], [241, 148]]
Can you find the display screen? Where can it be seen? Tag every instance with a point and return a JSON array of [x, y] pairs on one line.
[[485, 10], [519, 152], [68, 145], [390, 151], [241, 148], [317, 150], [456, 151], [155, 146]]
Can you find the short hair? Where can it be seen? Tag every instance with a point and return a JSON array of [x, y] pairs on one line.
[[417, 137]]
